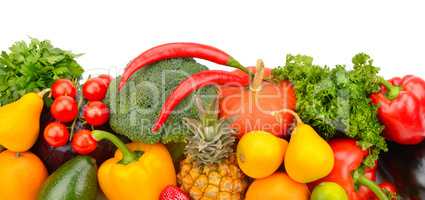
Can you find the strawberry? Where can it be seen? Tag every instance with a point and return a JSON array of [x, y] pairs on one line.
[[173, 193]]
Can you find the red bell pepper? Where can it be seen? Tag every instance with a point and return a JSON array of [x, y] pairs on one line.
[[370, 173], [390, 188], [401, 109], [348, 159]]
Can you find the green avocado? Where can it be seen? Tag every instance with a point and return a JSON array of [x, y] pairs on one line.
[[74, 180]]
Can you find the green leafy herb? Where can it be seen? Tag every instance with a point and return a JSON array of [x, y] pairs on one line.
[[33, 67], [336, 101]]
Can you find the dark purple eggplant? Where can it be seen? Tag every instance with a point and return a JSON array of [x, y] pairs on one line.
[[404, 165], [53, 157]]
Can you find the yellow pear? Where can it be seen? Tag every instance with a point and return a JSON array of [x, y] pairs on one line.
[[20, 121], [308, 156]]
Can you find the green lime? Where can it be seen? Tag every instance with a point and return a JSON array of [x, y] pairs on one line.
[[328, 191]]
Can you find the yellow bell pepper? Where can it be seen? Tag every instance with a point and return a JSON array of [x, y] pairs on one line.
[[136, 172]]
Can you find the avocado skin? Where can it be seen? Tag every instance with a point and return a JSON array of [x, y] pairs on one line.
[[75, 180]]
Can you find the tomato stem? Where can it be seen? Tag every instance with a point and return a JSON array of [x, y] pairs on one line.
[[373, 187], [127, 155], [80, 102]]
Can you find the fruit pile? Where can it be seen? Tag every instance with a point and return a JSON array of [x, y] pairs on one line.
[[297, 132]]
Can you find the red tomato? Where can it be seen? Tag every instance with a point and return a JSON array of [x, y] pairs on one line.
[[96, 113], [64, 109], [95, 89], [63, 87], [56, 134], [83, 143], [106, 78]]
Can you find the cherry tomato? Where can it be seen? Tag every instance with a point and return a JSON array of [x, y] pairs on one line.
[[63, 87], [95, 89], [106, 78], [96, 113], [83, 143], [64, 109], [56, 134]]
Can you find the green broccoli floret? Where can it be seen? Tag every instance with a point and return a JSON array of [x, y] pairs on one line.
[[136, 107]]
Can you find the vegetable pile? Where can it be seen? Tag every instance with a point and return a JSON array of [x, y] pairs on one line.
[[182, 131]]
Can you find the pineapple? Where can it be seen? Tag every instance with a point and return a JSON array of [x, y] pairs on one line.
[[210, 170]]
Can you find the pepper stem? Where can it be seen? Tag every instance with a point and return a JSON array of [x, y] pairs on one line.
[[234, 63], [285, 110], [392, 91], [373, 187], [258, 78], [127, 155]]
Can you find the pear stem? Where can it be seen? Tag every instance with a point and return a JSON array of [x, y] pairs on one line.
[[293, 113], [44, 92]]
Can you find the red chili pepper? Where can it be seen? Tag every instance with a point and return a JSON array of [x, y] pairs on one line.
[[402, 109], [179, 50], [348, 158], [389, 187], [194, 82]]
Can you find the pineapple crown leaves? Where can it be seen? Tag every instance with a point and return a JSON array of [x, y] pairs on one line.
[[211, 139], [207, 114]]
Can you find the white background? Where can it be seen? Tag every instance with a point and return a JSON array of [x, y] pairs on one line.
[[111, 33]]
